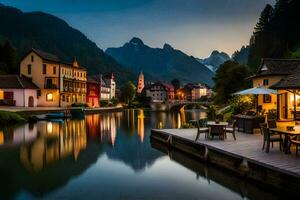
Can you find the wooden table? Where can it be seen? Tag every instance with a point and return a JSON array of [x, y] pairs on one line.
[[218, 125], [287, 134]]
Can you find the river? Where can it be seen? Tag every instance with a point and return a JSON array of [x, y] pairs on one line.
[[110, 156]]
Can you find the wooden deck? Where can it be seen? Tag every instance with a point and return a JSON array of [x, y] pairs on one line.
[[247, 147]]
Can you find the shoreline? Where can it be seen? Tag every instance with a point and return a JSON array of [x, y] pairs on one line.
[[45, 110]]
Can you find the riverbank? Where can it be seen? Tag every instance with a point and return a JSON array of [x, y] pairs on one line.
[[45, 110], [243, 156]]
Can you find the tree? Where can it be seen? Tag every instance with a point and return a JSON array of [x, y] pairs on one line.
[[176, 83], [264, 20], [8, 58], [230, 77], [128, 91]]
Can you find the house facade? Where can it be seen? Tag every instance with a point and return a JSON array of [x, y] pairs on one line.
[[193, 92], [17, 91], [73, 83], [93, 94], [281, 75], [60, 84], [160, 91]]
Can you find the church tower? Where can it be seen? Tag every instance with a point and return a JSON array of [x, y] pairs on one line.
[[141, 83]]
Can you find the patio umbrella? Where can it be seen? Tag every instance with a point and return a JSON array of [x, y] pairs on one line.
[[256, 91]]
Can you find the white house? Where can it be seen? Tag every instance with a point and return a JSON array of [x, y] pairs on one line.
[[17, 91]]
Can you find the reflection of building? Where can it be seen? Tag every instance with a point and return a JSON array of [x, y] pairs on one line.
[[103, 127], [14, 136], [160, 91], [141, 83], [55, 141]]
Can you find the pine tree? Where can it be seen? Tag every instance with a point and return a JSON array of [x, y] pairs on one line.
[[9, 57], [264, 20]]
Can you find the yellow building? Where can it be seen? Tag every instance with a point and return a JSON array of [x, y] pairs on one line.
[[52, 76], [280, 74], [73, 80]]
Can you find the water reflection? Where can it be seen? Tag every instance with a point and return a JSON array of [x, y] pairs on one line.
[[61, 159]]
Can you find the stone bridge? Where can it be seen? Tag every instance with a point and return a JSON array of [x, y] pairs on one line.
[[175, 105]]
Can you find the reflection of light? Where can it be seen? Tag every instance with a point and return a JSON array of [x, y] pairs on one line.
[[141, 127], [1, 137], [49, 127], [160, 125]]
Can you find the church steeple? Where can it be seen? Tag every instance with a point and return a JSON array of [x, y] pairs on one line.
[[141, 83], [75, 63]]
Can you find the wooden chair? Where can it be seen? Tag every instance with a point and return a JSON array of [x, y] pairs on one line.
[[262, 125], [295, 142], [201, 130], [231, 129], [272, 123], [217, 131], [270, 138]]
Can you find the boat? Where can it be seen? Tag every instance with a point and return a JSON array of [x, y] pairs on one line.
[[55, 115], [56, 120], [58, 115], [77, 113]]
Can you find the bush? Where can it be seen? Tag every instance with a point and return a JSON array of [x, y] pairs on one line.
[[187, 125], [10, 118], [212, 113]]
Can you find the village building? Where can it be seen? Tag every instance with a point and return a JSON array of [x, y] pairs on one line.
[[93, 94], [110, 83], [17, 91], [72, 84], [59, 83], [160, 91], [141, 83], [282, 75], [193, 92]]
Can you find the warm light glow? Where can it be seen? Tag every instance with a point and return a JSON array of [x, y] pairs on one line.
[[49, 97], [1, 95], [49, 127], [1, 137]]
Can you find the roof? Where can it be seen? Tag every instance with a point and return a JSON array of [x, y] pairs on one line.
[[290, 82], [95, 79], [46, 56], [16, 82], [270, 66], [165, 85]]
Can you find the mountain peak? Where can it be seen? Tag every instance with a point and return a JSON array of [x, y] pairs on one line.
[[168, 47], [136, 41]]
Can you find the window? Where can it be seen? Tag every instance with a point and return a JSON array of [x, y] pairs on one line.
[[267, 98], [49, 97], [54, 70], [266, 82], [32, 59], [38, 93], [63, 97], [29, 69], [44, 68]]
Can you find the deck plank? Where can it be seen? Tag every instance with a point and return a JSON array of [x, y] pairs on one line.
[[247, 146]]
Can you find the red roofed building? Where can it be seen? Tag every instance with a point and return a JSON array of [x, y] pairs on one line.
[[93, 91]]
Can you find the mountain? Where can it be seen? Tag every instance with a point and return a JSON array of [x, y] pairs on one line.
[[51, 34], [241, 56], [164, 63], [215, 59]]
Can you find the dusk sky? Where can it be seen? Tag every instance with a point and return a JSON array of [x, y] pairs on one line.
[[194, 26]]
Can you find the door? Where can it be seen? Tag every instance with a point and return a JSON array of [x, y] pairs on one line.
[[284, 106], [31, 101]]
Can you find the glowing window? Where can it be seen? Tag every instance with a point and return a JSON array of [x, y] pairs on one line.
[[49, 97]]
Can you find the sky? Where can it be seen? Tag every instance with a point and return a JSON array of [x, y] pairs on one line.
[[197, 27]]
